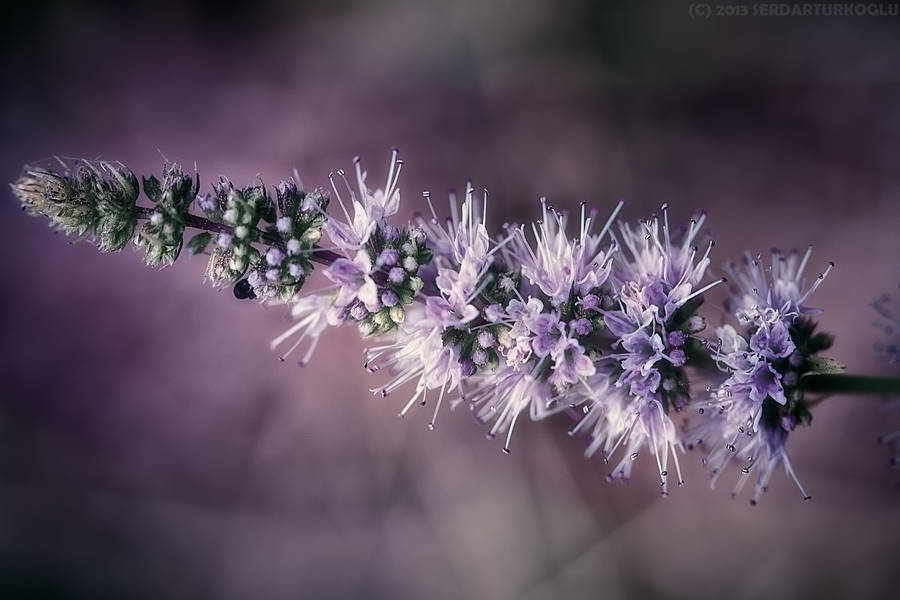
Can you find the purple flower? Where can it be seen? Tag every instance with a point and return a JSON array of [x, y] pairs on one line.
[[486, 339], [397, 275], [558, 264], [772, 340], [581, 327], [640, 384], [468, 367], [590, 302], [391, 233], [676, 338], [479, 357], [389, 298], [766, 381], [494, 313], [274, 257], [549, 333], [358, 311], [644, 351], [355, 279], [779, 285], [388, 257]]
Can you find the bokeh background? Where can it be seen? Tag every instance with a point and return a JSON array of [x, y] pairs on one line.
[[152, 447]]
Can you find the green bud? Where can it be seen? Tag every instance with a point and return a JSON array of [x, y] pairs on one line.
[[383, 318], [311, 236], [398, 315]]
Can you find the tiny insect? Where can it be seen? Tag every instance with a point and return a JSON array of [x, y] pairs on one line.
[[243, 290]]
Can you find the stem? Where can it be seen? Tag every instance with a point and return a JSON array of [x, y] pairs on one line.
[[323, 257], [852, 384]]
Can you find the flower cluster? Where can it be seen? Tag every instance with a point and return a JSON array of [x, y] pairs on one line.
[[600, 321], [656, 286], [762, 400]]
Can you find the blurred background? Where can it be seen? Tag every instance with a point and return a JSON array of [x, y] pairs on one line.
[[152, 447]]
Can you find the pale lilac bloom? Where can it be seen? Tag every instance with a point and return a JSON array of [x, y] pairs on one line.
[[549, 334], [780, 284], [355, 281], [667, 270], [641, 340], [557, 265], [418, 354], [462, 266], [766, 299], [617, 420], [570, 364], [311, 315], [760, 450], [370, 208], [505, 395], [462, 235], [772, 339]]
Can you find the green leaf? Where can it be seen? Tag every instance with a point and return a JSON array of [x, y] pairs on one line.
[[152, 189], [199, 242], [822, 365]]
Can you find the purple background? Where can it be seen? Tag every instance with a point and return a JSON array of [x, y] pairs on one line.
[[151, 446]]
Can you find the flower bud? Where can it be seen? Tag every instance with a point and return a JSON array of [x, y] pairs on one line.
[[398, 315], [283, 225], [696, 324]]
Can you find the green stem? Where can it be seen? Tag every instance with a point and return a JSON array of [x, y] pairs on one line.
[[851, 384]]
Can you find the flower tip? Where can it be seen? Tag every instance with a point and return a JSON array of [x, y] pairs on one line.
[[431, 426], [505, 450], [356, 160], [807, 498]]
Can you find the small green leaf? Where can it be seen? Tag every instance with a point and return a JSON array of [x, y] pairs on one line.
[[152, 188], [822, 365], [199, 242]]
